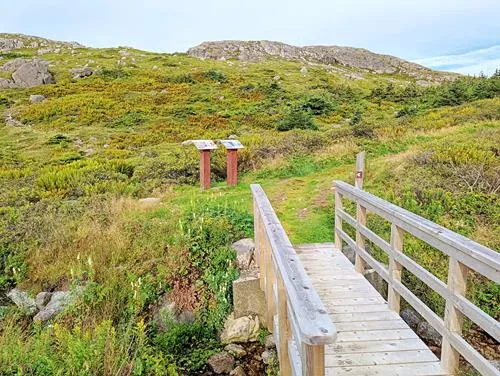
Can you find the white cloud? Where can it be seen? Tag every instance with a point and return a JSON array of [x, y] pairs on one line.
[[484, 60]]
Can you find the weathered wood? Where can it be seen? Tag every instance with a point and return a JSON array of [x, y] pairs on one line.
[[416, 369], [359, 263], [453, 318], [205, 169], [284, 335], [270, 293], [475, 256], [360, 170], [338, 220], [315, 326], [395, 268], [378, 358], [295, 361], [375, 346], [314, 360]]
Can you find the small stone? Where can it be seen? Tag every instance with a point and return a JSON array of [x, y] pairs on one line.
[[267, 356], [88, 152], [235, 350], [270, 342], [276, 78], [22, 300], [36, 98], [243, 329], [42, 298], [303, 70], [81, 72], [221, 362], [238, 371]]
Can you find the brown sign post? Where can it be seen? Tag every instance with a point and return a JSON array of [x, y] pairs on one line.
[[204, 146], [232, 147]]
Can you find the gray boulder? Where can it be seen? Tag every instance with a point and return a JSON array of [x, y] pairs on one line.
[[221, 362], [23, 300], [81, 72], [411, 318], [245, 253], [31, 74], [36, 98], [13, 65], [429, 334], [42, 298], [267, 356], [58, 301]]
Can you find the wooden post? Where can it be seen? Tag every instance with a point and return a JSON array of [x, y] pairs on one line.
[[338, 220], [205, 169], [283, 330], [395, 268], [232, 167], [270, 295], [314, 360], [359, 263], [360, 169], [453, 318]]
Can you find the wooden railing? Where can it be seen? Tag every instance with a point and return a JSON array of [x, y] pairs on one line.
[[295, 314], [464, 254]]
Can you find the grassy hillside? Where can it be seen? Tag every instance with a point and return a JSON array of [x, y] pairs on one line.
[[71, 175]]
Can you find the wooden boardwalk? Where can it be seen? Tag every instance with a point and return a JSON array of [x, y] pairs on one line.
[[371, 338], [327, 319]]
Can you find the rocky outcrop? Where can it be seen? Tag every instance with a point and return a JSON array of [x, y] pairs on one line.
[[26, 73], [222, 362], [37, 98], [329, 55], [10, 42], [58, 301]]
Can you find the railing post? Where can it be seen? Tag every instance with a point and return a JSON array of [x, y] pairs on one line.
[[360, 169], [395, 268], [259, 249], [359, 263], [338, 220], [270, 282], [453, 318], [313, 363], [283, 330]]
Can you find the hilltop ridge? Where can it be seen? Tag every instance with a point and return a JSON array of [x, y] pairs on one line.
[[330, 55]]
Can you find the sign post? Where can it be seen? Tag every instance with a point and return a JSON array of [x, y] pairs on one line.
[[232, 147], [204, 146]]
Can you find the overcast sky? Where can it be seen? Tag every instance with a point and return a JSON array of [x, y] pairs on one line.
[[457, 35]]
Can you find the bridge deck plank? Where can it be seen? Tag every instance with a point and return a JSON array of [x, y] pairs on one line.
[[371, 339]]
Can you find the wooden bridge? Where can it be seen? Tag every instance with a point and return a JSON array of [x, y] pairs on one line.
[[327, 319]]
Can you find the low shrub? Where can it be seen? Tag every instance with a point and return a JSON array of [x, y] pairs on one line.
[[297, 118]]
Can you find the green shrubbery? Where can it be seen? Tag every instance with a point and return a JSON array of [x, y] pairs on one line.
[[297, 118]]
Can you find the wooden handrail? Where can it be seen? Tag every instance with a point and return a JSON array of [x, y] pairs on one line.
[[295, 313], [464, 254]]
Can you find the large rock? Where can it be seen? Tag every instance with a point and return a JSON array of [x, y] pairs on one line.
[[23, 300], [376, 281], [248, 298], [245, 253], [58, 301], [26, 73], [42, 298], [411, 318], [429, 334], [243, 329], [221, 362]]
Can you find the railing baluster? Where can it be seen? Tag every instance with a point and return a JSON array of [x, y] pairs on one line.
[[395, 268], [359, 263], [270, 281], [338, 220], [314, 360], [453, 318]]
